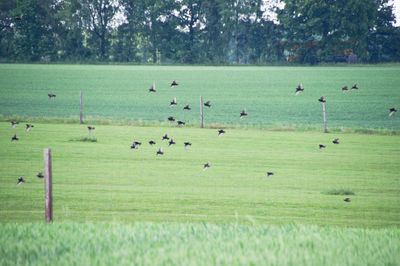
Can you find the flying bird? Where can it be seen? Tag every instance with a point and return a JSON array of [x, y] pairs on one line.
[[187, 144], [20, 181], [40, 175], [14, 137], [174, 84], [269, 174], [160, 152], [321, 146], [299, 89], [173, 102], [171, 142], [347, 199], [243, 113], [392, 111], [208, 104], [153, 88], [14, 123], [322, 99], [207, 165], [151, 142], [187, 107], [355, 87], [28, 127], [51, 96], [172, 119], [335, 141], [221, 132], [165, 137], [180, 123], [345, 88]]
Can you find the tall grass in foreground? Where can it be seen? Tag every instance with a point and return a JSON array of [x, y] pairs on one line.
[[195, 244]]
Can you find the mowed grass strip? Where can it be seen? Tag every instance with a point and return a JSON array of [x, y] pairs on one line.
[[108, 181], [195, 244], [121, 92]]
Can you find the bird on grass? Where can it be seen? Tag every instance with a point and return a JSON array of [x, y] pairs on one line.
[[221, 132], [90, 129], [243, 113], [347, 199], [392, 111], [151, 142], [160, 152], [40, 175], [134, 146], [345, 88], [321, 146], [269, 174], [355, 87], [19, 17], [171, 142], [28, 127], [322, 99], [51, 96], [171, 119], [173, 102], [165, 137], [187, 107], [180, 123], [14, 137], [20, 181], [208, 104], [187, 144], [335, 141], [174, 84], [207, 165], [137, 143], [14, 123], [153, 88], [299, 89]]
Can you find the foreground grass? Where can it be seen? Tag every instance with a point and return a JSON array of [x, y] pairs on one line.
[[107, 181], [195, 244]]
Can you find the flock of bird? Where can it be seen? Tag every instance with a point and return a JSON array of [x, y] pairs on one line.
[[171, 141]]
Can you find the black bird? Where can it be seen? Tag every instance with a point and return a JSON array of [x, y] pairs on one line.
[[173, 102], [134, 146], [174, 84], [180, 123], [40, 175], [153, 87], [335, 141], [187, 144], [28, 127], [51, 96], [355, 87], [137, 143], [347, 199], [208, 104], [243, 113], [171, 142], [165, 137], [299, 89], [14, 137], [90, 129], [221, 132], [187, 107], [322, 99], [21, 180], [321, 146], [392, 111], [269, 174], [345, 88], [14, 123], [207, 165], [160, 152], [171, 119], [151, 142]]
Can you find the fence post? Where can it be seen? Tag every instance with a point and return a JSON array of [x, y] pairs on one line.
[[48, 186], [80, 115], [324, 114], [201, 112]]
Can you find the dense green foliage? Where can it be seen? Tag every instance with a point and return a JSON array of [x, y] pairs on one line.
[[194, 244], [197, 31], [121, 92]]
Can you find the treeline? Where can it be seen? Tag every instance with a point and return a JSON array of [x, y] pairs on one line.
[[198, 31]]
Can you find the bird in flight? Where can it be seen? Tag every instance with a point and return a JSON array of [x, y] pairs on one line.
[[180, 123], [392, 111], [20, 181], [335, 141], [345, 88], [207, 165], [14, 123], [321, 146], [174, 84], [355, 87], [187, 144], [40, 175], [160, 152], [51, 96], [173, 102], [347, 199], [14, 137], [299, 89], [322, 99], [28, 127], [151, 142], [165, 137], [153, 88], [243, 113], [221, 132], [269, 174], [187, 107], [208, 104], [171, 118]]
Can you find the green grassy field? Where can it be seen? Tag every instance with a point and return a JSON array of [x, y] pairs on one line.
[[121, 92]]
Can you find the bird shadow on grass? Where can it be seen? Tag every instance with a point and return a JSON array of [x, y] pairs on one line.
[[84, 139], [340, 191]]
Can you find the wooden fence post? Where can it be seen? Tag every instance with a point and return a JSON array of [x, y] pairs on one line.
[[48, 186], [80, 115], [201, 112], [324, 114]]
